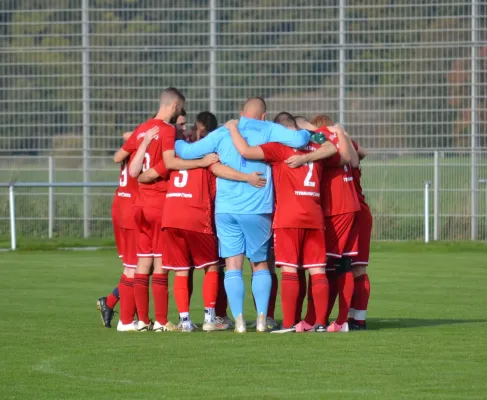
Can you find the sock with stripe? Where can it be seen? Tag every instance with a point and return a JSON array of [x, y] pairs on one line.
[[289, 298], [361, 295], [141, 293], [113, 298], [210, 294], [301, 295], [261, 289], [127, 300], [221, 299], [160, 294], [319, 288], [235, 288]]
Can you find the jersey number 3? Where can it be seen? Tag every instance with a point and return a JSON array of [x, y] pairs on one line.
[[182, 179], [307, 181]]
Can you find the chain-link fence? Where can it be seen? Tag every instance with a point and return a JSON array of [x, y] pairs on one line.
[[394, 183], [408, 75]]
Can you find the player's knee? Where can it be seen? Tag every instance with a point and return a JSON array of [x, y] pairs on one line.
[[317, 270], [144, 265], [212, 268], [234, 263], [182, 273], [359, 271], [289, 270], [129, 272], [259, 266]]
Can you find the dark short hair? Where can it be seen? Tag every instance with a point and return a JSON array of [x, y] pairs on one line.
[[183, 113], [208, 120], [171, 94], [285, 119]]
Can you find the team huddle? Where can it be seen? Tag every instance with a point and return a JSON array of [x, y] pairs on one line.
[[282, 194]]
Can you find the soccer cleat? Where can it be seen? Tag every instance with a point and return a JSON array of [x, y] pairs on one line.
[[226, 320], [106, 312], [215, 326], [356, 326], [188, 327], [143, 327], [169, 327], [303, 326], [240, 326], [334, 327], [132, 327], [271, 324], [285, 330], [261, 323], [318, 328]]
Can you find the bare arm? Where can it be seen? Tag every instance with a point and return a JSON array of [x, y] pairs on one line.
[[120, 155], [246, 151], [326, 150], [226, 172], [361, 152], [148, 176], [350, 151], [136, 164], [174, 163]]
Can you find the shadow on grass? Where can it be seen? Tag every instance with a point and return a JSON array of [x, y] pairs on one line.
[[375, 324]]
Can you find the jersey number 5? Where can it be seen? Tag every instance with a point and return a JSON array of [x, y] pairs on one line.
[[181, 181], [307, 181], [123, 175]]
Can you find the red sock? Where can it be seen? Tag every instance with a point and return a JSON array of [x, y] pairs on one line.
[[332, 292], [319, 287], [345, 292], [112, 300], [190, 284], [361, 295], [310, 317], [302, 294], [221, 300], [141, 293], [181, 293], [160, 296], [127, 299], [210, 289], [273, 297], [289, 298]]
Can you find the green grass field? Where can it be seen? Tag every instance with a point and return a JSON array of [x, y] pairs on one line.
[[427, 337]]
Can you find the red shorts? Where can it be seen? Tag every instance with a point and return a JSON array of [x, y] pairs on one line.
[[296, 247], [341, 233], [364, 222], [183, 249], [117, 227], [148, 231], [129, 248]]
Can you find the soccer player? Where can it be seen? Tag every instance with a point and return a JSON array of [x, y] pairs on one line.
[[299, 237], [243, 213], [361, 291], [149, 206], [123, 226], [340, 204]]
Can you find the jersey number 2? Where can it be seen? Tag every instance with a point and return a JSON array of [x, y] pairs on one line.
[[307, 181], [181, 181]]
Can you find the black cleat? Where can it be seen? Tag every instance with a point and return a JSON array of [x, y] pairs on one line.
[[355, 326], [106, 312], [318, 328]]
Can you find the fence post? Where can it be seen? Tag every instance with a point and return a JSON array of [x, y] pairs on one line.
[[484, 182], [11, 201], [436, 196], [51, 198], [426, 211]]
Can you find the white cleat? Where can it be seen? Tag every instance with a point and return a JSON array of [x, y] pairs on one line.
[[169, 327], [215, 326], [226, 320], [334, 327], [261, 323], [288, 330], [143, 327], [188, 327], [240, 326], [132, 327]]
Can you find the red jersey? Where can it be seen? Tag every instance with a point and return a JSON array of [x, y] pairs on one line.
[[338, 191], [153, 194], [127, 188], [298, 198], [190, 201], [357, 175]]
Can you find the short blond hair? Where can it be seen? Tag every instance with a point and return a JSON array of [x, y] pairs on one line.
[[322, 120]]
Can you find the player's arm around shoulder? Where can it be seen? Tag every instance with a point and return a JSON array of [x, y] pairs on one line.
[[128, 147], [325, 151], [280, 134], [225, 172], [246, 151], [198, 149], [158, 171]]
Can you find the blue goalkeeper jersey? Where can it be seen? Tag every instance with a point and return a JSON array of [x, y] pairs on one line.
[[234, 197]]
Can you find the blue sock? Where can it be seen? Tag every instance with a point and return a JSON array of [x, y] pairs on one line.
[[115, 292], [261, 289], [234, 286]]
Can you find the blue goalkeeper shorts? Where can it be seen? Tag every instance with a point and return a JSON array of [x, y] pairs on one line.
[[248, 234]]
